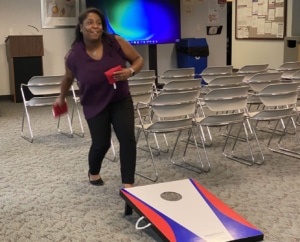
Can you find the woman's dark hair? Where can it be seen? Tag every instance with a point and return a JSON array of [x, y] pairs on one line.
[[82, 17]]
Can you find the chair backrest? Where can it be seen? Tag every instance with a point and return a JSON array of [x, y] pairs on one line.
[[141, 92], [296, 76], [176, 73], [174, 104], [215, 70], [144, 74], [260, 80], [256, 68], [279, 94], [288, 69], [182, 85], [175, 97], [289, 66], [44, 85], [226, 81], [227, 99], [249, 70], [212, 72]]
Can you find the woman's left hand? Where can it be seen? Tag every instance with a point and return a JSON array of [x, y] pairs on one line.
[[122, 75]]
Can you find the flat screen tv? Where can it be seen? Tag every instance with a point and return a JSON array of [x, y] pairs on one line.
[[142, 22]]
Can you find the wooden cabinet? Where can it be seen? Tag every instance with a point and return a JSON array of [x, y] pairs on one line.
[[24, 55]]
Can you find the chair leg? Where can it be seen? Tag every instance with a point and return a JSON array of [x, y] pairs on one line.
[[25, 113], [157, 148], [70, 134], [240, 159], [75, 106], [152, 161], [112, 146], [185, 164], [284, 150]]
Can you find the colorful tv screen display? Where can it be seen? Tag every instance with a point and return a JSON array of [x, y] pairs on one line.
[[142, 22]]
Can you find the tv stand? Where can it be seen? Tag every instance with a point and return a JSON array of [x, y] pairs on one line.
[[153, 60]]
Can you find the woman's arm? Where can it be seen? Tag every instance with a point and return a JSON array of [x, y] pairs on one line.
[[66, 83], [135, 59]]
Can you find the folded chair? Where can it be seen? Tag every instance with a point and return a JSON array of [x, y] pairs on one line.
[[44, 91], [173, 112], [227, 108], [280, 106]]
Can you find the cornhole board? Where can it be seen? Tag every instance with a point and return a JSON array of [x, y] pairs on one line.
[[194, 215]]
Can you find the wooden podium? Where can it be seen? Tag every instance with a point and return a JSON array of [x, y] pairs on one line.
[[24, 55]]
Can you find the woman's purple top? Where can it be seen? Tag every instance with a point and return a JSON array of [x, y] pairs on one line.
[[95, 91]]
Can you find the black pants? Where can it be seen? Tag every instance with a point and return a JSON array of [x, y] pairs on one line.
[[121, 116]]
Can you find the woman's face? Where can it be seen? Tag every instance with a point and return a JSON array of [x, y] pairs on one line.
[[92, 27]]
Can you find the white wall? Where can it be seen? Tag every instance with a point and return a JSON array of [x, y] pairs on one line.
[[17, 15]]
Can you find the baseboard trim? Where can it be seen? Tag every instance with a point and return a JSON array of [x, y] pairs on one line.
[[6, 97]]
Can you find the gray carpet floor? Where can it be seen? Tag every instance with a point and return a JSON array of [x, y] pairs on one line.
[[45, 194]]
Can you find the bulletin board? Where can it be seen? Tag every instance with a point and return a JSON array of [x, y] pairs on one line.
[[260, 19]]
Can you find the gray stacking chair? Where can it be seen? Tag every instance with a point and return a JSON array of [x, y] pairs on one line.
[[227, 108], [44, 91], [142, 94], [257, 82], [173, 112], [216, 82], [280, 101]]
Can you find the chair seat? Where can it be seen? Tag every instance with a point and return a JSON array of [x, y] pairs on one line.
[[169, 126], [274, 114], [41, 101], [220, 120]]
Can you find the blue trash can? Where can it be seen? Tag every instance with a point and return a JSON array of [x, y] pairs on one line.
[[192, 52]]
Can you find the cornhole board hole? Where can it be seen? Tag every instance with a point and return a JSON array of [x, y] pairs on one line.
[[184, 210]]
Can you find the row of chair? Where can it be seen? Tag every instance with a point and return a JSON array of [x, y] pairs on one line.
[[229, 105], [183, 104]]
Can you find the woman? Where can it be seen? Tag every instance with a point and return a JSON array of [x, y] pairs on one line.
[[94, 52]]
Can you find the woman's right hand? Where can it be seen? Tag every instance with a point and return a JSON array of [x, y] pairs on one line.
[[59, 101]]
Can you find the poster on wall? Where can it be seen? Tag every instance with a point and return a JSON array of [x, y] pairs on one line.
[[59, 13]]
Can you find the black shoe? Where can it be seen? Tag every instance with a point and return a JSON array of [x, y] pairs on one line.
[[98, 182]]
